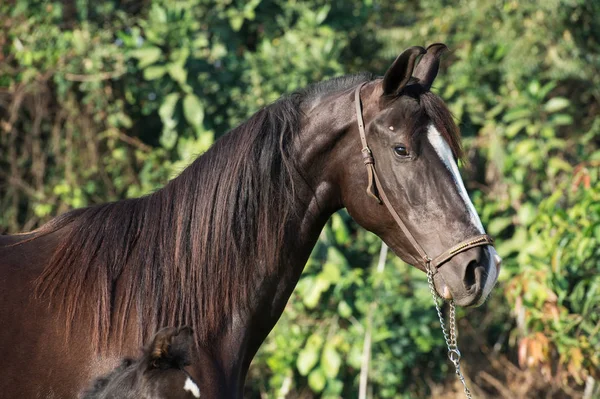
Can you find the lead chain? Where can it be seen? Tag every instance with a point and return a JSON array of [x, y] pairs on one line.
[[451, 342]]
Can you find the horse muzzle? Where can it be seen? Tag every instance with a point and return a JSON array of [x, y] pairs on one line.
[[469, 277]]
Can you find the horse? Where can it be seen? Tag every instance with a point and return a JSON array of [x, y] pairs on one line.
[[221, 246], [158, 374]]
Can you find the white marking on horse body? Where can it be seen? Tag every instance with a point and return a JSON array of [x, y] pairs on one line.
[[191, 386], [443, 150], [391, 128]]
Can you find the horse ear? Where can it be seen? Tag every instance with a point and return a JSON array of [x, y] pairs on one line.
[[398, 75], [181, 347], [171, 346], [429, 65]]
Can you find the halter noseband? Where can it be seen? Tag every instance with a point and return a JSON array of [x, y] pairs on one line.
[[376, 191]]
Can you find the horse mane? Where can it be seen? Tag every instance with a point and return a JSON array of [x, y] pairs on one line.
[[188, 253], [443, 120]]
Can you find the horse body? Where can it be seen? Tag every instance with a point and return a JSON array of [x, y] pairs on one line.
[[222, 246]]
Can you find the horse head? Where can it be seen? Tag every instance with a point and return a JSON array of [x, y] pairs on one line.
[[411, 158]]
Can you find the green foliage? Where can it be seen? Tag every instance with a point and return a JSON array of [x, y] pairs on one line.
[[105, 101], [556, 293]]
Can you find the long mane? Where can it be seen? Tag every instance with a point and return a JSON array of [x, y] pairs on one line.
[[186, 254]]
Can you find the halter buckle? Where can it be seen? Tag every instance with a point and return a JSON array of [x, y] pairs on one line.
[[367, 155]]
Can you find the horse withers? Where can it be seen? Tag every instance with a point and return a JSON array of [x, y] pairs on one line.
[[221, 247], [158, 374]]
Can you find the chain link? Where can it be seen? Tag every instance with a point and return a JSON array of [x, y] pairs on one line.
[[450, 338]]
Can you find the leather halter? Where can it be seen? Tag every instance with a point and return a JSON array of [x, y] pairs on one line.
[[376, 191]]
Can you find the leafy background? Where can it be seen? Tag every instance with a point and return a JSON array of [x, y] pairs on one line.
[[109, 99]]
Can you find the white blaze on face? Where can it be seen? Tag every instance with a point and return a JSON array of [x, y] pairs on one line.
[[191, 386], [444, 151]]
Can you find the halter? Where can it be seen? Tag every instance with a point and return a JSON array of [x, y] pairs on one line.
[[376, 191]]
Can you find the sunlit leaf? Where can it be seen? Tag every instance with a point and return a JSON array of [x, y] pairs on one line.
[[316, 380], [309, 356], [167, 108], [177, 72], [498, 224], [556, 104], [307, 359], [146, 55], [562, 119], [193, 111], [516, 127], [330, 361], [515, 114], [154, 72]]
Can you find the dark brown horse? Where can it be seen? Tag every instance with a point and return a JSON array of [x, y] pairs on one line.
[[222, 246]]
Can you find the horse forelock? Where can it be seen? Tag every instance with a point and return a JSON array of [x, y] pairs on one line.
[[442, 119]]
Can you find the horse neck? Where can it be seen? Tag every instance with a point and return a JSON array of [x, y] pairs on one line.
[[317, 198]]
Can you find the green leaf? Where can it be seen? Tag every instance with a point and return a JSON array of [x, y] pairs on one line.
[[146, 56], [154, 72], [331, 272], [313, 294], [308, 357], [340, 229], [193, 111], [201, 41], [178, 73], [526, 213], [562, 119], [336, 257], [168, 138], [556, 104], [167, 108], [236, 21], [322, 14], [534, 87], [316, 380], [556, 165], [42, 210], [166, 111], [516, 127], [180, 56], [345, 310], [158, 14], [515, 114], [330, 361], [597, 232], [498, 224], [306, 361], [547, 88]]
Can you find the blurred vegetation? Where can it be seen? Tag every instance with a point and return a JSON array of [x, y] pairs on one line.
[[106, 100]]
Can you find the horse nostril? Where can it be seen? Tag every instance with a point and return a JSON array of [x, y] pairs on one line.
[[470, 278]]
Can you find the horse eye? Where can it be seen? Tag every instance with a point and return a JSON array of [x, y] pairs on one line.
[[401, 150]]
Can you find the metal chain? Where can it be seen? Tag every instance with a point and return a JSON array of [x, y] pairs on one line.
[[451, 339]]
